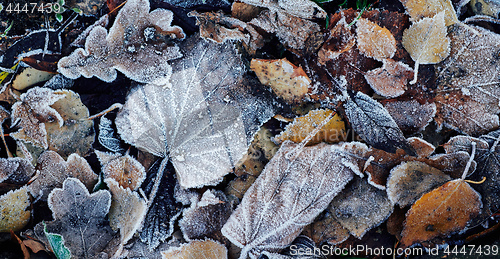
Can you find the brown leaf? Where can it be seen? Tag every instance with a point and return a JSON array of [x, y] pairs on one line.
[[127, 171], [391, 79], [419, 38], [326, 229], [218, 27], [360, 207], [287, 80], [15, 170], [374, 41], [34, 246], [52, 170], [409, 180], [13, 213], [207, 249], [444, 210], [244, 12], [288, 195], [299, 8], [301, 128], [419, 9], [411, 116], [23, 247]]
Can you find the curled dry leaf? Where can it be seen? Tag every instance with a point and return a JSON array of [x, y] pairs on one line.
[[107, 136], [205, 217], [126, 212], [391, 79], [211, 26], [127, 171], [33, 111], [286, 79], [411, 116], [204, 120], [13, 213], [80, 217], [207, 249], [333, 132], [429, 8], [426, 41], [130, 47], [375, 125], [360, 207], [409, 180], [288, 195], [52, 170], [374, 41], [441, 212]]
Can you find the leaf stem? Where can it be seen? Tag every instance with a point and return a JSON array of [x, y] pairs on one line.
[[473, 153], [477, 182]]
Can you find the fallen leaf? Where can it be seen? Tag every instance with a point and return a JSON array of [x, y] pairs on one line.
[[360, 207], [207, 249], [300, 8], [296, 191], [341, 38], [80, 218], [206, 216], [107, 136], [207, 118], [286, 79], [218, 27], [88, 7], [56, 243], [441, 212], [375, 125], [244, 12], [127, 171], [409, 180], [374, 41], [391, 79], [13, 213], [426, 41], [327, 229], [130, 47], [429, 8], [34, 110], [34, 246], [15, 170], [301, 127], [411, 116], [127, 211], [52, 171]]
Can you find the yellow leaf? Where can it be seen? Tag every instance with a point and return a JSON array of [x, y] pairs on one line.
[[13, 213], [302, 126], [419, 9], [286, 79], [374, 41]]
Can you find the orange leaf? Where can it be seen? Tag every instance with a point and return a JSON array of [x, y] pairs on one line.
[[286, 79], [441, 212], [375, 41]]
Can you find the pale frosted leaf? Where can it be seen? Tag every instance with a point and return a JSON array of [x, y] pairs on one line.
[[80, 217], [207, 249], [107, 136], [419, 9], [34, 110], [15, 170], [361, 207], [409, 180], [130, 47], [374, 41], [126, 170], [301, 8], [286, 197], [13, 215], [52, 170], [411, 116], [375, 125], [126, 212], [426, 41], [391, 79], [205, 217], [203, 120]]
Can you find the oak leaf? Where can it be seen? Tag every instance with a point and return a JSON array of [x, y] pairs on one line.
[[287, 196], [374, 41], [441, 212], [334, 131], [426, 41]]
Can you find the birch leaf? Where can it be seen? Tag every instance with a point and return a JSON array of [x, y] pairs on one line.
[[374, 41], [426, 41], [286, 197], [204, 120], [429, 8], [13, 213], [207, 249]]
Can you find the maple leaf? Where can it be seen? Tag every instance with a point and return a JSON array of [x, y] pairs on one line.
[[426, 41], [130, 47], [204, 120], [374, 41], [287, 196], [441, 212], [80, 217]]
